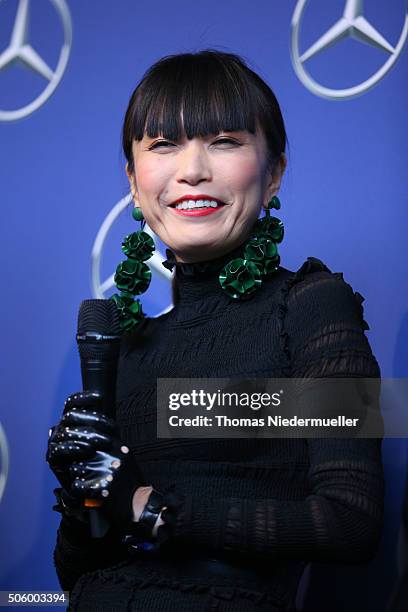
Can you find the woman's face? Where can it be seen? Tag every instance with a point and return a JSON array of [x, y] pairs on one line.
[[230, 167]]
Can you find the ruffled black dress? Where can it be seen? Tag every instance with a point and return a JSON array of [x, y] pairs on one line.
[[263, 506]]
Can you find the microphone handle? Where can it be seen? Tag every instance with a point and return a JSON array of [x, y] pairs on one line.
[[99, 376]]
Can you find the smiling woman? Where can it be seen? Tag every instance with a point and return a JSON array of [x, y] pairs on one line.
[[201, 523]]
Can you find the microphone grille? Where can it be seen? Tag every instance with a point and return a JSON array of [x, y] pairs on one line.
[[99, 316]]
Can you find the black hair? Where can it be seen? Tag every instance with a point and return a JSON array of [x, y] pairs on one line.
[[215, 91]]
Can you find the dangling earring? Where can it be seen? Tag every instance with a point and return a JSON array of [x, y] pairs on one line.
[[137, 213], [274, 202], [242, 276], [268, 226], [133, 276]]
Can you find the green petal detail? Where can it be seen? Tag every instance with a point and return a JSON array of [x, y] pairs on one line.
[[139, 246], [272, 227], [130, 311], [240, 278], [263, 252], [132, 277]]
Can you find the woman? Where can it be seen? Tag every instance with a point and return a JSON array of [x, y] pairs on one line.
[[214, 522]]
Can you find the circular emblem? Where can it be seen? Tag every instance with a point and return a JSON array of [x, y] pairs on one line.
[[4, 460], [20, 51], [351, 24]]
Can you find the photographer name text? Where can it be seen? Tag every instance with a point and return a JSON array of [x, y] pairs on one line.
[[270, 421]]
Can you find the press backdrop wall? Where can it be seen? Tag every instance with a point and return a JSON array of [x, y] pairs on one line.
[[344, 200]]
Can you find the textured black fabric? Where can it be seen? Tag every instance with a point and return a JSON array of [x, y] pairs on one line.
[[280, 502]]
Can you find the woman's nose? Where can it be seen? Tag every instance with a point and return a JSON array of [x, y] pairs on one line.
[[194, 164]]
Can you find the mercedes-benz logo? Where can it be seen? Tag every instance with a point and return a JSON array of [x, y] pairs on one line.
[[19, 50], [99, 288], [352, 24]]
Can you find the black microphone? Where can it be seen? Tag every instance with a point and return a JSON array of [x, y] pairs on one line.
[[98, 337]]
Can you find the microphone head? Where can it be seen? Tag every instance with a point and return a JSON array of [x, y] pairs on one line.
[[99, 339], [99, 317]]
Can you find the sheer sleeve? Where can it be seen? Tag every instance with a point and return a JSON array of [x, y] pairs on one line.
[[324, 327], [340, 520]]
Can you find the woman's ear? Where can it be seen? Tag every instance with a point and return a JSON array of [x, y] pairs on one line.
[[132, 182], [276, 178]]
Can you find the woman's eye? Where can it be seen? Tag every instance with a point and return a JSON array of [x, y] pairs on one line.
[[226, 141], [166, 144], [161, 143]]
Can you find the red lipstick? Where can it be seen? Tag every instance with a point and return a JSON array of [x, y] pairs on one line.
[[197, 212]]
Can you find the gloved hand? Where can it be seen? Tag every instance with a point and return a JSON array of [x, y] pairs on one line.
[[90, 461]]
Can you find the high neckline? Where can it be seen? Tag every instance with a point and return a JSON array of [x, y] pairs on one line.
[[203, 267], [198, 287]]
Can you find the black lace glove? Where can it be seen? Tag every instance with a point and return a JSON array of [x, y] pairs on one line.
[[90, 461]]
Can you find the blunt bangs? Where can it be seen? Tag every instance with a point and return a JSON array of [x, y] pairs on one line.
[[202, 94]]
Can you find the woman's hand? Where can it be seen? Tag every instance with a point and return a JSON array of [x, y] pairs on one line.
[[140, 499], [89, 459]]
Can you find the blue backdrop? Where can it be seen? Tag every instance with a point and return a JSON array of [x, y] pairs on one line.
[[62, 171]]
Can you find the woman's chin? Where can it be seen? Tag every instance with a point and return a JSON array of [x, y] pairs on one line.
[[199, 250]]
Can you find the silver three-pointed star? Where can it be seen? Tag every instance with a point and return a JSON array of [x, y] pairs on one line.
[[19, 50], [352, 24]]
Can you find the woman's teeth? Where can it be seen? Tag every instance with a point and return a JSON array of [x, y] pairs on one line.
[[196, 204]]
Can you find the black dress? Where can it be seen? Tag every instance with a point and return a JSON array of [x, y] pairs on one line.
[[271, 505]]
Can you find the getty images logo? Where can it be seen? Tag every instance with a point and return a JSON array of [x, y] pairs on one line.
[[19, 50], [354, 24]]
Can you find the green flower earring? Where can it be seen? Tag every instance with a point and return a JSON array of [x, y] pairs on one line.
[[133, 276], [242, 276]]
